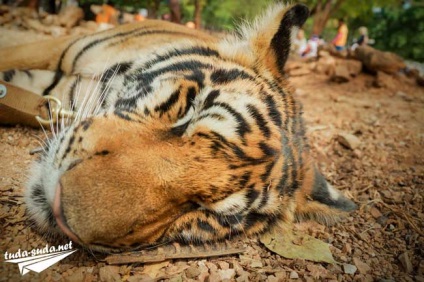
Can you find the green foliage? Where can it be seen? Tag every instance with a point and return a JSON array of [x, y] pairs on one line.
[[400, 31]]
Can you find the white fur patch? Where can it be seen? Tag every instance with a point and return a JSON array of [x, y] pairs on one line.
[[334, 194]]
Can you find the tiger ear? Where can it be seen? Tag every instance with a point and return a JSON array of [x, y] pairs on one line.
[[265, 44]]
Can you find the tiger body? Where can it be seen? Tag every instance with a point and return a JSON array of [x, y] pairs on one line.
[[179, 136]]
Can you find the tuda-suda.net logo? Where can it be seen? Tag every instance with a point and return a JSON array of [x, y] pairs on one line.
[[39, 259]]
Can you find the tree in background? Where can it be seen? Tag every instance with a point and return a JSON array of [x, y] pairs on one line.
[[174, 7]]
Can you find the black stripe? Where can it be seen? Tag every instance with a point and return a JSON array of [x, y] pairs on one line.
[[205, 226], [103, 39], [72, 102], [243, 126], [268, 169], [190, 96], [287, 158], [251, 195], [267, 150], [122, 115], [28, 73], [265, 197], [145, 78], [260, 121], [280, 43], [207, 52], [114, 70], [8, 75], [273, 112], [209, 101], [229, 220], [244, 179], [167, 105], [223, 76], [57, 76]]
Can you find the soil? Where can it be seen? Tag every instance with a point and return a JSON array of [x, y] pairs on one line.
[[384, 174]]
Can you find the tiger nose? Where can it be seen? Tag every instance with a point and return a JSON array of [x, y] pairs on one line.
[[60, 219]]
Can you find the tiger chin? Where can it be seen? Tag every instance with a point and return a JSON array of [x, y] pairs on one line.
[[190, 139]]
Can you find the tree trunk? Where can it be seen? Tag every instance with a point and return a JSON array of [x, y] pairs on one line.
[[33, 4], [153, 9], [198, 14], [322, 13], [174, 7]]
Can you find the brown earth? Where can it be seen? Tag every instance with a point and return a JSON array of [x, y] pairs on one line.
[[384, 174]]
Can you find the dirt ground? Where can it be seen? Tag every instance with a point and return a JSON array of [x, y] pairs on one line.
[[382, 241]]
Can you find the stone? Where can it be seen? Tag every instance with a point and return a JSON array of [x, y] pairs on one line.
[[326, 65], [213, 277], [376, 60], [192, 272], [383, 80], [406, 262], [227, 274], [223, 265], [341, 74], [349, 141], [109, 273], [354, 67], [300, 71], [294, 275], [420, 81], [256, 264], [363, 268], [347, 248], [272, 278], [349, 268], [375, 212], [243, 277]]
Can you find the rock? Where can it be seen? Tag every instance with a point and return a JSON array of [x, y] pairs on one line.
[[223, 265], [420, 80], [383, 80], [354, 67], [226, 274], [349, 141], [341, 74], [414, 73], [243, 277], [363, 268], [109, 273], [406, 262], [404, 96], [323, 53], [325, 65], [349, 268], [294, 275], [272, 278], [213, 277], [292, 65], [300, 71], [347, 248], [76, 276], [375, 212], [70, 16], [256, 264], [376, 60], [146, 278], [192, 272]]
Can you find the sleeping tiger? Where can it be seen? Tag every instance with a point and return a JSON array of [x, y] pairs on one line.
[[179, 136]]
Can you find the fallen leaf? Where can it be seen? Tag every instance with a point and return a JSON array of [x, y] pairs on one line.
[[311, 249], [153, 269]]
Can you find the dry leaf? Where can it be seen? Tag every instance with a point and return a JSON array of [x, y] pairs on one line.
[[310, 248], [153, 269]]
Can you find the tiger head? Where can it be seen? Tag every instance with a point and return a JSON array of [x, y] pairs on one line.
[[199, 142]]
